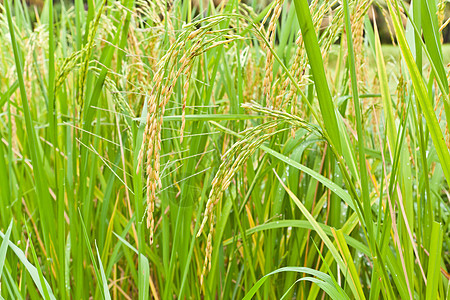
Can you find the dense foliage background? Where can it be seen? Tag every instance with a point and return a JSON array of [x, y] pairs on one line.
[[243, 149]]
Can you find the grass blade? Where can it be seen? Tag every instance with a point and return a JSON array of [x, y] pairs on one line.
[[434, 265], [315, 60], [324, 282], [34, 274], [4, 247]]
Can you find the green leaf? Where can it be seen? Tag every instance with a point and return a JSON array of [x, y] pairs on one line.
[[104, 280], [348, 259], [317, 67], [4, 247], [324, 282], [434, 264], [32, 270], [300, 224], [98, 276]]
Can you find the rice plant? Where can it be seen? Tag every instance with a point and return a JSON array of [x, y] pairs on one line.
[[224, 149]]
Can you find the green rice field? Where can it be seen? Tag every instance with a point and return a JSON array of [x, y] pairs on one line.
[[224, 149]]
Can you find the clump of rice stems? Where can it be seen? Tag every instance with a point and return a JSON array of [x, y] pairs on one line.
[[35, 43], [236, 156], [299, 62], [190, 44]]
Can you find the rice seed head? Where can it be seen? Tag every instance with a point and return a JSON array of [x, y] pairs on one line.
[[270, 36], [86, 58], [357, 27], [169, 70], [185, 95], [208, 252], [235, 158]]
